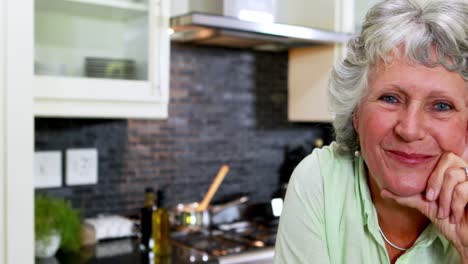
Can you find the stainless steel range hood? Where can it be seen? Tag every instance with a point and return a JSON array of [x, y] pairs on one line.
[[227, 31]]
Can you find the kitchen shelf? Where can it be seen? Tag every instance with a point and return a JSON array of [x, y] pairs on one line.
[[105, 9], [98, 98]]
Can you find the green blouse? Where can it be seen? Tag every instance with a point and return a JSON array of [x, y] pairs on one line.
[[329, 217]]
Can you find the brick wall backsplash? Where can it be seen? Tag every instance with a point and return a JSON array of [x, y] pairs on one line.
[[226, 106]]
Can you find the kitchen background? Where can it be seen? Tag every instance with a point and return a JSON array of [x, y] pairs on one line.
[[226, 106], [89, 60]]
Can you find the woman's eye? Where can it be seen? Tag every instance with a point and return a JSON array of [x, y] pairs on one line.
[[391, 99], [442, 107]]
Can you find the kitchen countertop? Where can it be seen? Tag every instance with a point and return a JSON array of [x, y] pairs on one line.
[[126, 251], [247, 242]]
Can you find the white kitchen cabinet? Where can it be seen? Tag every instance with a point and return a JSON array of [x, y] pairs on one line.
[[309, 67], [101, 58]]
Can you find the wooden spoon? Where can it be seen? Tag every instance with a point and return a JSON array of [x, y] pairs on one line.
[[213, 188]]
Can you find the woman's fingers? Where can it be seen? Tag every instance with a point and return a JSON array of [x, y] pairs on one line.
[[428, 208], [437, 177], [459, 201], [446, 191], [434, 183], [452, 177]]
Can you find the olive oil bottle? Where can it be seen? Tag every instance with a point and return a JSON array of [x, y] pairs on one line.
[[161, 228]]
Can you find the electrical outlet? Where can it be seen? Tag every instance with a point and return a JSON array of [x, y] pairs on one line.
[[47, 169], [82, 166]]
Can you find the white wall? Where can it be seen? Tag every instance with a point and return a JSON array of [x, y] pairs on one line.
[[317, 13], [361, 8], [182, 7]]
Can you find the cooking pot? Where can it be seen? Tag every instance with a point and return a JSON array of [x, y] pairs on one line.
[[188, 217]]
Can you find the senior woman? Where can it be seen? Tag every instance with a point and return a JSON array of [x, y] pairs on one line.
[[393, 188]]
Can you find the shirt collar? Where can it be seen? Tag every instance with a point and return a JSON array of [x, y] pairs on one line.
[[429, 235], [362, 188]]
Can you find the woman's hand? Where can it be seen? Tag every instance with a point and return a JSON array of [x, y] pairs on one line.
[[445, 201]]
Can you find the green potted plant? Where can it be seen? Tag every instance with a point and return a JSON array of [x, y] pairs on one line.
[[56, 223]]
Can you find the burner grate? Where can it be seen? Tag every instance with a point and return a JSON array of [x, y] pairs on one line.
[[239, 238]]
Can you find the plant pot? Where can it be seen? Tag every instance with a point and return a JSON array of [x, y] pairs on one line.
[[48, 246]]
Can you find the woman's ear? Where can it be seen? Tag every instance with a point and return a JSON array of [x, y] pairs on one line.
[[356, 121]]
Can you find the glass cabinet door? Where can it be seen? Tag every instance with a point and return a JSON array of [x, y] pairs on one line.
[[101, 58], [99, 39]]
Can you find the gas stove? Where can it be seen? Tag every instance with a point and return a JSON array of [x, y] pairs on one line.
[[231, 241]]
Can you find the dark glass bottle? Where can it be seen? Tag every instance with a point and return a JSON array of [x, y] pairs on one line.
[[161, 229], [146, 214]]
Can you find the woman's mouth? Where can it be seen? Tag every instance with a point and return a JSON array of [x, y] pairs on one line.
[[410, 158]]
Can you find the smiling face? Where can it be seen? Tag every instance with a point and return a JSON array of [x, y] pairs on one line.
[[410, 116]]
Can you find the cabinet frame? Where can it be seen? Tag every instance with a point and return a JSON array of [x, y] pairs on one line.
[[61, 96], [16, 133]]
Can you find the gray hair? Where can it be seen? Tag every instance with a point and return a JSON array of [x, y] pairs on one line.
[[419, 27]]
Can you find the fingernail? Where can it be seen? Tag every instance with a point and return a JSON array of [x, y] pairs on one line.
[[430, 194], [440, 213]]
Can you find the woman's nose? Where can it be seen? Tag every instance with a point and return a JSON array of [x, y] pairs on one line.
[[410, 126]]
